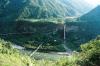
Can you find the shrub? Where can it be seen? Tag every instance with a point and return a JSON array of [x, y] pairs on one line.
[[90, 55]]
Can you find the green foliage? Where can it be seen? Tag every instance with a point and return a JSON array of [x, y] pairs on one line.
[[84, 32], [6, 48], [11, 10], [30, 9], [32, 34], [90, 55], [48, 33], [12, 57], [69, 61]]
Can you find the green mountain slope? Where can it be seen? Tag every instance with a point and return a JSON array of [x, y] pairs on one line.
[[18, 9], [92, 16]]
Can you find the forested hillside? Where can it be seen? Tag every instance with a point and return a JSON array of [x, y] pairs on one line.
[[18, 9], [49, 33], [92, 16]]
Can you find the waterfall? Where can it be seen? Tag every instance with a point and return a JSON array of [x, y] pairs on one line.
[[64, 42]]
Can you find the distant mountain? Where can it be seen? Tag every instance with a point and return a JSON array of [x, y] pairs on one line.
[[80, 7], [92, 16], [17, 9]]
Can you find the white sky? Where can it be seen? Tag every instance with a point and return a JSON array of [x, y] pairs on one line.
[[93, 2]]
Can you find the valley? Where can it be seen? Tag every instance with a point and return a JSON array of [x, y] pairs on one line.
[[49, 33]]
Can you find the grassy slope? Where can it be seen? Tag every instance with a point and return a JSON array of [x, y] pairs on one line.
[[88, 56], [13, 57], [10, 56]]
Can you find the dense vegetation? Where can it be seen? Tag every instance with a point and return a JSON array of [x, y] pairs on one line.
[[48, 37], [31, 34], [89, 56], [52, 38], [10, 56], [12, 9], [13, 57]]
